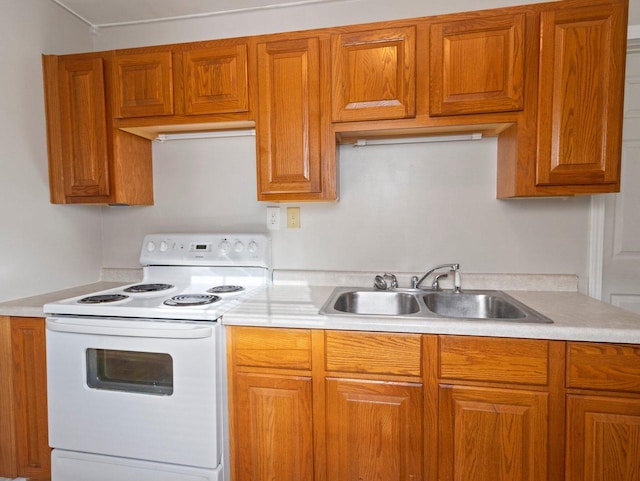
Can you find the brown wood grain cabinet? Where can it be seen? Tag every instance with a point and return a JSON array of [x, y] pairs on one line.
[[546, 79], [373, 74], [477, 65], [143, 84], [501, 409], [90, 162], [292, 123], [603, 412], [24, 449], [580, 96], [350, 405]]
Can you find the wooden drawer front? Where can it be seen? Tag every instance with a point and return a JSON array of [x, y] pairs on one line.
[[270, 347], [373, 353], [521, 361], [612, 367]]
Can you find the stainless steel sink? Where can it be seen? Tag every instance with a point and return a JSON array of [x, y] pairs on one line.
[[472, 305], [429, 304], [377, 303]]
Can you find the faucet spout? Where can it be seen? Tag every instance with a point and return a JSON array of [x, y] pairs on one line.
[[455, 268]]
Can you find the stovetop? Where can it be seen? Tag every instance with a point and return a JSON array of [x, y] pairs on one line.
[[185, 277]]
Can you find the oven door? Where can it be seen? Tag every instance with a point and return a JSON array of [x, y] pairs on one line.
[[141, 389]]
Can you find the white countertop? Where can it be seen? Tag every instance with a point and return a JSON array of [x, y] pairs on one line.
[[291, 303], [575, 317]]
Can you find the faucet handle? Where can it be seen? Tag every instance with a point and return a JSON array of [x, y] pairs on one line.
[[379, 283], [435, 285], [394, 280]]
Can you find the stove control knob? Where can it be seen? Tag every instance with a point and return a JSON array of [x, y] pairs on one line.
[[238, 247], [151, 246], [224, 247], [253, 247], [163, 246]]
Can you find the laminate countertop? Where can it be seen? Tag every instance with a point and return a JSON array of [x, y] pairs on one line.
[[575, 317]]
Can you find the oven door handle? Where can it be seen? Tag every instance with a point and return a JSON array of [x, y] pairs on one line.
[[104, 328]]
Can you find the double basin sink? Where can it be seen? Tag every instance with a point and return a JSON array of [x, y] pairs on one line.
[[430, 304]]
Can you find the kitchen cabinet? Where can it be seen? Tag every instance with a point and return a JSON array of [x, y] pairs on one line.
[[603, 411], [572, 145], [270, 399], [501, 409], [374, 74], [24, 449], [181, 81], [477, 65], [143, 84], [90, 162], [295, 161], [302, 407], [580, 96]]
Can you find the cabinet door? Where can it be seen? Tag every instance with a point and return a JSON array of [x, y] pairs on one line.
[[374, 74], [492, 434], [582, 63], [373, 430], [215, 80], [273, 416], [289, 118], [477, 65], [143, 84], [603, 439], [77, 129], [30, 385]]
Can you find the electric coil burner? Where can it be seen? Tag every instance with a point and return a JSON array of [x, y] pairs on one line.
[[104, 298], [191, 300], [225, 289], [148, 288]]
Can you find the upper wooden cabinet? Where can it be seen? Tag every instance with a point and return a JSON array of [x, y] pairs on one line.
[[143, 85], [373, 74], [90, 162], [477, 65], [215, 80], [291, 124], [581, 96]]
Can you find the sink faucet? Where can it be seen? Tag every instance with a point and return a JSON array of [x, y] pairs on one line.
[[455, 268], [380, 282]]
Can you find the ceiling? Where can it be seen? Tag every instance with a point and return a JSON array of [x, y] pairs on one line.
[[103, 13]]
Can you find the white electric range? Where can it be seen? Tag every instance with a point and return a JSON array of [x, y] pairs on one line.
[[135, 374]]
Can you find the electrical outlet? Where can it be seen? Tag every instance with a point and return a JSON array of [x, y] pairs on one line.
[[293, 217], [273, 218]]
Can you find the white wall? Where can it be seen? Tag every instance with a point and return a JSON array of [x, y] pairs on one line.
[[402, 208], [42, 247]]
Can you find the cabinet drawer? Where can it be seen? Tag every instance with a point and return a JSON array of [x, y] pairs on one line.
[[612, 367], [270, 347], [521, 361], [373, 353]]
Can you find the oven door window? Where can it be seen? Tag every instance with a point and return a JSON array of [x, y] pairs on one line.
[[130, 371]]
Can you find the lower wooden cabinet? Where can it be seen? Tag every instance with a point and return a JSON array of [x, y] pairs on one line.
[[489, 434], [275, 430], [24, 448], [318, 405], [374, 430]]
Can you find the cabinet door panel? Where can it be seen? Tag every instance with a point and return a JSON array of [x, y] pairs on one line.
[[30, 384], [85, 156], [603, 439], [374, 431], [289, 117], [143, 85], [580, 97], [477, 65], [374, 74], [216, 80], [274, 426], [492, 434]]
